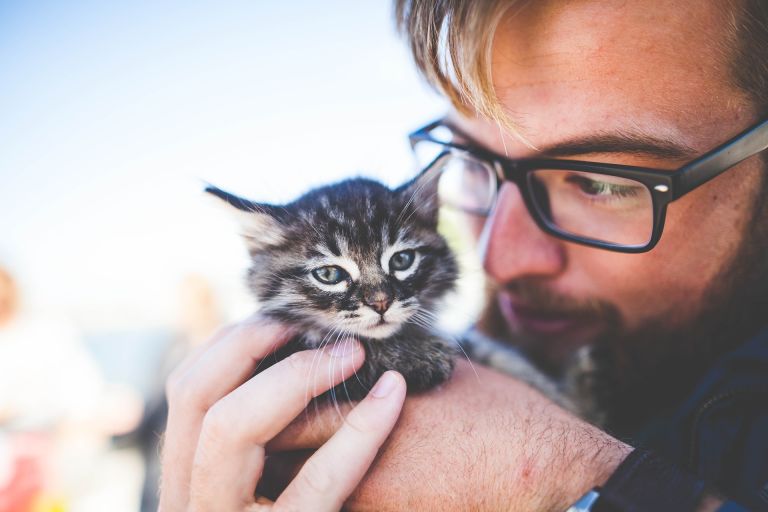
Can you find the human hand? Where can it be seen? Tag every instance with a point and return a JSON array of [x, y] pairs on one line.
[[219, 421], [480, 442]]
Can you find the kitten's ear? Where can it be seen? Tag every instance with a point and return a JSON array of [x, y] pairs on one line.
[[420, 199], [259, 223]]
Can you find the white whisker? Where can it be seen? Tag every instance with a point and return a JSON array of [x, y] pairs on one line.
[[450, 337]]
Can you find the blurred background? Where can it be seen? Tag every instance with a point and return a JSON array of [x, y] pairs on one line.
[[112, 117]]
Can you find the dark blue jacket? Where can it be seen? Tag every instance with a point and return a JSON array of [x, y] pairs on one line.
[[721, 432]]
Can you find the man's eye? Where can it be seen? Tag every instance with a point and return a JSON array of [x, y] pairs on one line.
[[330, 274], [603, 188], [402, 260]]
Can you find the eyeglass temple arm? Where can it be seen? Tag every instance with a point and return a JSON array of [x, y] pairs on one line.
[[748, 143]]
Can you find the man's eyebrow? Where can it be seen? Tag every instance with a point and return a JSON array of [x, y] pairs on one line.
[[621, 142]]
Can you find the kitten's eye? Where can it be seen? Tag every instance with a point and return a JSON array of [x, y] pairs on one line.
[[330, 274], [402, 260]]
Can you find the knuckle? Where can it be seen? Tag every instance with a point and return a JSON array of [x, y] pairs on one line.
[[182, 393], [173, 384], [218, 423], [225, 424]]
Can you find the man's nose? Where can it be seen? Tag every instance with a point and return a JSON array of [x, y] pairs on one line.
[[513, 245]]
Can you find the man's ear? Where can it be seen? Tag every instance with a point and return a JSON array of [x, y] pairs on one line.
[[259, 223], [420, 199]]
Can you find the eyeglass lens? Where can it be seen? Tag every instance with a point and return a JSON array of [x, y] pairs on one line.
[[590, 206]]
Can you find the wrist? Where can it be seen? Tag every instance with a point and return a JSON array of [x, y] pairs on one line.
[[646, 481], [595, 457], [564, 458]]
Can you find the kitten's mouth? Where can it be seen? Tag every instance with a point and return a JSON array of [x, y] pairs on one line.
[[380, 329]]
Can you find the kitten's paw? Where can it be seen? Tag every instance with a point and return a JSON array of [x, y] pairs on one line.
[[353, 389], [432, 372]]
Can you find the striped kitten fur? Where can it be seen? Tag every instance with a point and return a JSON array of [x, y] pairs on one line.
[[355, 259]]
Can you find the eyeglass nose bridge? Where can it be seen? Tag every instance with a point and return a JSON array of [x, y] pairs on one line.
[[510, 171], [501, 175], [515, 172]]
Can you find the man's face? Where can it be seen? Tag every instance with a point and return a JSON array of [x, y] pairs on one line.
[[639, 68]]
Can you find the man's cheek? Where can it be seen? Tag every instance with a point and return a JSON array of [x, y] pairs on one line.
[[630, 283], [668, 282]]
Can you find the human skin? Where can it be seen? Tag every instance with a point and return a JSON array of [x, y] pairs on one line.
[[586, 68], [219, 422], [568, 70], [480, 442]]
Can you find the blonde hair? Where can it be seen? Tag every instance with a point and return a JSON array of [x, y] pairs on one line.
[[451, 42]]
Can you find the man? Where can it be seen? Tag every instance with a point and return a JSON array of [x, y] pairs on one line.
[[578, 259]]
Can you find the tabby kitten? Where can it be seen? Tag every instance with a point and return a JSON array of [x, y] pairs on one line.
[[355, 259]]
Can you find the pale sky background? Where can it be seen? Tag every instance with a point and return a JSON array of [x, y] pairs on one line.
[[112, 114]]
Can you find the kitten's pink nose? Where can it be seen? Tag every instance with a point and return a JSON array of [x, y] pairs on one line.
[[378, 301]]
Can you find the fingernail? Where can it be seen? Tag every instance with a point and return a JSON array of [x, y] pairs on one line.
[[344, 348], [386, 384]]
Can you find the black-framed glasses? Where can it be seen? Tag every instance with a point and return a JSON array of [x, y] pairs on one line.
[[610, 206]]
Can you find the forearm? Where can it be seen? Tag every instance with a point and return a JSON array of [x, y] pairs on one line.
[[505, 448], [563, 458], [586, 458], [479, 442], [645, 481]]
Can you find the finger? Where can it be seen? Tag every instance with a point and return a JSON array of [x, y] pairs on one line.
[[324, 483], [230, 452], [311, 430], [194, 354], [221, 333], [257, 335], [192, 390]]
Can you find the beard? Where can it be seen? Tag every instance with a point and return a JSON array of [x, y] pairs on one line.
[[624, 378]]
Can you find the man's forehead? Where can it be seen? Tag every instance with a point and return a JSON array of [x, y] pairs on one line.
[[536, 31], [643, 135], [569, 70]]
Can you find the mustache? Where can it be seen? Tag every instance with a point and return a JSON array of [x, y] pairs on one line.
[[531, 293]]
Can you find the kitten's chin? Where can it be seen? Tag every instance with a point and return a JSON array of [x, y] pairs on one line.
[[379, 331]]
